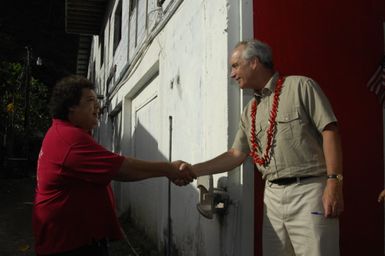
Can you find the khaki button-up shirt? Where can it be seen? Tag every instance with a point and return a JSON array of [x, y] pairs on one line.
[[303, 113]]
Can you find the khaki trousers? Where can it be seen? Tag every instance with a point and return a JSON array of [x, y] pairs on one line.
[[289, 226]]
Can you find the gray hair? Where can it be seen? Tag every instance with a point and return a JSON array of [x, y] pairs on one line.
[[255, 48]]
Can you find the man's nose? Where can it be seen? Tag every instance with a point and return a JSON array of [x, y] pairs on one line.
[[232, 74]]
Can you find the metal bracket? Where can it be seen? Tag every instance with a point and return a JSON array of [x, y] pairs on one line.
[[213, 200]]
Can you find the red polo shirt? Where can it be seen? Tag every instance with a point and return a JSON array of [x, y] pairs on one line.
[[74, 203]]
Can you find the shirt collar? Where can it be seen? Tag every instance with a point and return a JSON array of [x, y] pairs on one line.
[[57, 121], [269, 87], [61, 122]]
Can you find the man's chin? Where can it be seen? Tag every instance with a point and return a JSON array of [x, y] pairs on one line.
[[241, 86], [245, 86]]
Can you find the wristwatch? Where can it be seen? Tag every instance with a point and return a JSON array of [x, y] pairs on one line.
[[338, 177]]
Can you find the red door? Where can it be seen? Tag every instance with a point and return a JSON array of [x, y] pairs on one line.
[[340, 45]]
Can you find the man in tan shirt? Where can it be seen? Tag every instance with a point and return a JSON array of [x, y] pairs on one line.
[[290, 131]]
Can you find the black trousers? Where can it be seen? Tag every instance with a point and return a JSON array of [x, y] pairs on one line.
[[97, 248]]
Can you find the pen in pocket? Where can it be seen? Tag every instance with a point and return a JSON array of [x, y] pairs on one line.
[[317, 213]]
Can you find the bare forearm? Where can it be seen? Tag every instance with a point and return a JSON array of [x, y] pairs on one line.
[[222, 163], [333, 197], [134, 169], [332, 150]]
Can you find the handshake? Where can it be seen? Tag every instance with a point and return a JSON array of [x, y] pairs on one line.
[[182, 173]]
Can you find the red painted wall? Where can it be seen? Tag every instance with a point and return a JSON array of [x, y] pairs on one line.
[[339, 44]]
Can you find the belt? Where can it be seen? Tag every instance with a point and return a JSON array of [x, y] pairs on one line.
[[290, 180]]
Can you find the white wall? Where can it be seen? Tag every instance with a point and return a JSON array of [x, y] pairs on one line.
[[189, 58]]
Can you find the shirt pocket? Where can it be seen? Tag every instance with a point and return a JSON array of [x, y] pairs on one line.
[[287, 124]]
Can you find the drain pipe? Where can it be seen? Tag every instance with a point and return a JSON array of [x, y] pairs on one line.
[[169, 233]]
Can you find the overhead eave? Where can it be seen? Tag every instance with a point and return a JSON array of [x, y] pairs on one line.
[[84, 17]]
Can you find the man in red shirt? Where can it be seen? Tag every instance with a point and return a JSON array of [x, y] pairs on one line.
[[74, 208]]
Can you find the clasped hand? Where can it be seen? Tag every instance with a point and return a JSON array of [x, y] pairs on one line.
[[183, 173]]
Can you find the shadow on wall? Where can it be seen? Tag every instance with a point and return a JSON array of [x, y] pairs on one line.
[[160, 208]]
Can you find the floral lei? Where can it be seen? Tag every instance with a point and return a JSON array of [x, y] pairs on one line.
[[265, 159]]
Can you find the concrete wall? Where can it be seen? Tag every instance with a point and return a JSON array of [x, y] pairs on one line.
[[172, 91]]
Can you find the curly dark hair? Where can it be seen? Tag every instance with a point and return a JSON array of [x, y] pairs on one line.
[[67, 93]]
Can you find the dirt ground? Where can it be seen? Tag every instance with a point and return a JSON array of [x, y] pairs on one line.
[[16, 196], [15, 217]]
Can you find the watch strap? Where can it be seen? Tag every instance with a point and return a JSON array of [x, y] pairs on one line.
[[338, 177]]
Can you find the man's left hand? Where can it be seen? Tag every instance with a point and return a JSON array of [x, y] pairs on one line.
[[332, 198]]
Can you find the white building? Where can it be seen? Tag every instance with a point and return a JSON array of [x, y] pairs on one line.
[[156, 59], [161, 68]]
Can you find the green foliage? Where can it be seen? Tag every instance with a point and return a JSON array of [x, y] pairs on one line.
[[39, 99], [13, 90]]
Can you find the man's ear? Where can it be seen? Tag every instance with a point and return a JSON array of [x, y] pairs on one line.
[[254, 62]]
